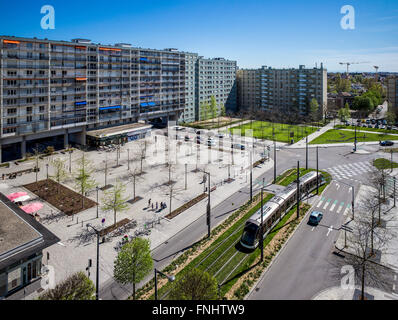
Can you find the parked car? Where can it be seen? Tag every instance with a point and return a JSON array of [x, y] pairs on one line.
[[373, 121], [315, 218], [238, 146], [389, 127], [211, 143], [370, 126], [377, 126], [386, 143], [384, 122], [367, 121], [188, 138], [221, 136]]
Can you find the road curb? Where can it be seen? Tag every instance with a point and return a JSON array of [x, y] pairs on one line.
[[279, 252]]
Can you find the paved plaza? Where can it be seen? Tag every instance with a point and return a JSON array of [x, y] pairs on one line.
[[186, 159]]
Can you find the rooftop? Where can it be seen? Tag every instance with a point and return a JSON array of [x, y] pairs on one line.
[[107, 132], [20, 234]]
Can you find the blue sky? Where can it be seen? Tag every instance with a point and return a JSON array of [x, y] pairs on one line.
[[281, 33]]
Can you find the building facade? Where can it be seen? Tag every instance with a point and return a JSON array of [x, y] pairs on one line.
[[22, 241], [392, 93], [216, 77], [248, 88], [52, 92], [283, 90]]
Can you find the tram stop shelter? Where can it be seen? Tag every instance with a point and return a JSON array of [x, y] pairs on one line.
[[121, 134]]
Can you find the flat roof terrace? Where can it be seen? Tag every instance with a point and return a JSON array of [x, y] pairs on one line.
[[20, 234], [15, 233], [109, 132]]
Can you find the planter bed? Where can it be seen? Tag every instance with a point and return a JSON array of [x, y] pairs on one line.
[[186, 206], [111, 228], [66, 200]]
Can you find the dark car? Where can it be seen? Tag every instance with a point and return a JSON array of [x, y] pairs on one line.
[[238, 146], [315, 218], [386, 143]]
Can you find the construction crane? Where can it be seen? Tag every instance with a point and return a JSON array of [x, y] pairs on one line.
[[377, 72], [348, 64]]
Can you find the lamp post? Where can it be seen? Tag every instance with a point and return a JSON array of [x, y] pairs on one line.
[[251, 176], [394, 190], [97, 199], [262, 223], [70, 159], [274, 160], [355, 141], [298, 189], [317, 170], [97, 273], [170, 278], [128, 159], [306, 152], [391, 161], [186, 176], [47, 170], [208, 212]]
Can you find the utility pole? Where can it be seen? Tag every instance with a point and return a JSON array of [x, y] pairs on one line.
[[208, 210], [394, 190], [106, 169], [274, 160], [186, 176], [317, 170], [262, 224], [306, 153], [97, 273], [70, 159], [355, 141], [391, 160], [251, 176], [128, 159], [97, 199], [298, 189]]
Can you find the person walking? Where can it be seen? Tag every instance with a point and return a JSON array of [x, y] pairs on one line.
[[156, 206]]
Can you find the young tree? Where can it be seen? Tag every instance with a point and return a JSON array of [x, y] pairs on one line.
[[390, 118], [195, 285], [133, 263], [77, 287], [213, 107], [83, 177], [314, 110], [114, 200], [135, 175], [344, 113], [366, 239], [60, 171]]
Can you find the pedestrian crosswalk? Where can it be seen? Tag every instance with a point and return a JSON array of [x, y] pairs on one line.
[[346, 171], [332, 205]]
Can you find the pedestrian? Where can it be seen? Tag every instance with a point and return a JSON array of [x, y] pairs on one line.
[[156, 206], [152, 206]]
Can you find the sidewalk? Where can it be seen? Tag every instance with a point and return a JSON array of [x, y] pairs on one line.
[[301, 144], [338, 293], [389, 215]]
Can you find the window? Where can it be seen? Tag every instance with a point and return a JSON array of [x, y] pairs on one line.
[[29, 119]]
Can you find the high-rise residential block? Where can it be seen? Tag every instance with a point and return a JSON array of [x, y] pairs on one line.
[[392, 93], [283, 91]]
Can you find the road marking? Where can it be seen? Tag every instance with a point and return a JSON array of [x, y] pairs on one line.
[[393, 287], [327, 203], [395, 278], [320, 202], [329, 231], [61, 244], [340, 207], [313, 229], [333, 206]]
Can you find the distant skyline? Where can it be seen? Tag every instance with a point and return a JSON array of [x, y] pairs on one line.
[[280, 34]]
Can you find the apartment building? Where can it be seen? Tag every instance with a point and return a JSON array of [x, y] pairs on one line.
[[392, 93], [248, 88], [216, 77], [191, 61], [52, 92], [283, 90]]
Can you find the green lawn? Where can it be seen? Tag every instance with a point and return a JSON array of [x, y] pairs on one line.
[[382, 163], [264, 130], [366, 129], [341, 136]]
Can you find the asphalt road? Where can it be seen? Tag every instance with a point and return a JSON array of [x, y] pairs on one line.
[[307, 264], [286, 159]]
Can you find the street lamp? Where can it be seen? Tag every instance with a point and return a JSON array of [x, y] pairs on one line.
[[170, 278], [208, 208], [97, 199], [47, 170], [97, 273]]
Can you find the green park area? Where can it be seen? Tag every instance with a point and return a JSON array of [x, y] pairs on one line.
[[359, 129], [283, 132], [383, 164], [343, 136]]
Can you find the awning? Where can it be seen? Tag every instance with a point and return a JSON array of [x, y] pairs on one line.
[[16, 195], [32, 208], [21, 199]]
